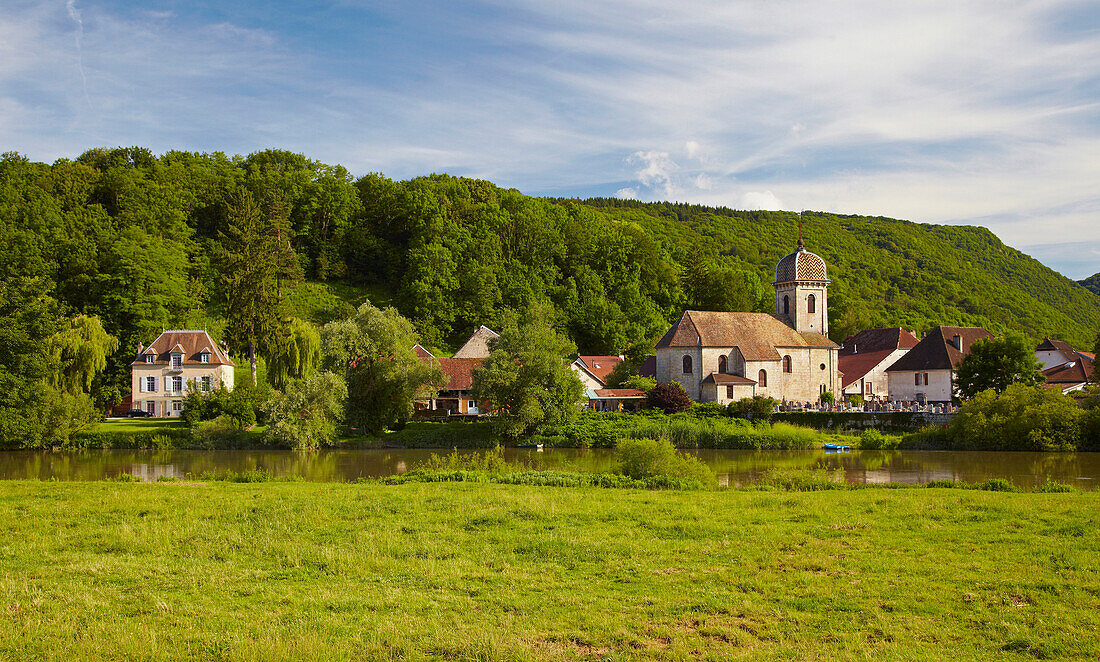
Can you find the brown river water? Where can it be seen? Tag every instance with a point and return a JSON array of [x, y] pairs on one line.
[[733, 467]]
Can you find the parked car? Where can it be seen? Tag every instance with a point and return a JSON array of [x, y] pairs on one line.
[[137, 413]]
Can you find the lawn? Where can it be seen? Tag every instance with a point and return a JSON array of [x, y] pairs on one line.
[[324, 571], [138, 425]]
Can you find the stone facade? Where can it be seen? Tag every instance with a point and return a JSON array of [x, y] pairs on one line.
[[786, 356]]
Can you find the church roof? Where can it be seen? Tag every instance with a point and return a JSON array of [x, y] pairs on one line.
[[756, 335], [936, 350], [800, 265]]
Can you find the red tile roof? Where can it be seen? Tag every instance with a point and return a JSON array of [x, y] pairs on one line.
[[757, 335], [459, 372], [616, 393], [866, 349], [1056, 346], [190, 343], [422, 353], [1071, 372], [599, 366], [722, 378], [936, 352]]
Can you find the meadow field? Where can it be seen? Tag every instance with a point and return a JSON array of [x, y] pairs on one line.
[[462, 571]]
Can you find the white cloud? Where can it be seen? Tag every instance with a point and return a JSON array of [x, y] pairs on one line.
[[703, 182], [656, 171], [761, 200], [626, 193], [692, 148]]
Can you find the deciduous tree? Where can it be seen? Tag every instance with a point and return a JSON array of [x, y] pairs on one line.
[[996, 364]]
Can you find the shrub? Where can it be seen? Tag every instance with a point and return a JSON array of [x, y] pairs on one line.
[[639, 382], [802, 480], [827, 398], [873, 440], [643, 459], [669, 397], [1051, 486], [1029, 418], [1090, 430], [756, 408], [222, 432], [854, 399], [929, 437], [708, 409], [996, 485], [305, 415]]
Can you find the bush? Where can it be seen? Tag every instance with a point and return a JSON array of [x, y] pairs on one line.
[[1054, 487], [305, 416], [222, 432], [643, 459], [928, 438], [873, 440], [854, 399], [756, 408], [802, 480], [1090, 430], [996, 485], [669, 397], [708, 409], [1022, 418]]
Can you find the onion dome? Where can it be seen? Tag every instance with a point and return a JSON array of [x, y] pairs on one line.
[[800, 265]]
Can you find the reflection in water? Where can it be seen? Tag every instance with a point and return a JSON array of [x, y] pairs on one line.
[[734, 468]]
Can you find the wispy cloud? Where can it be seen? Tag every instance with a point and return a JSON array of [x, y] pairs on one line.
[[975, 112]]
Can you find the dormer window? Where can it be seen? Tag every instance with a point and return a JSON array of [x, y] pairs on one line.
[[149, 358], [177, 360], [204, 357]]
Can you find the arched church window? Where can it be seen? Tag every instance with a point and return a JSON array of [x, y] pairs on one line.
[[811, 304], [762, 379], [787, 364], [786, 305], [687, 365], [722, 365]]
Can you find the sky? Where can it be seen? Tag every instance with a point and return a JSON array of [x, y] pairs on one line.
[[977, 112]]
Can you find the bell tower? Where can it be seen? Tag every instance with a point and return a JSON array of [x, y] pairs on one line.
[[802, 290]]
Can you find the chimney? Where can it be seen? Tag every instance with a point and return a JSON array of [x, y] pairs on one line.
[[957, 341], [141, 348]]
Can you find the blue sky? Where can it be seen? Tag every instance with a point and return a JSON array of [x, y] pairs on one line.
[[977, 112]]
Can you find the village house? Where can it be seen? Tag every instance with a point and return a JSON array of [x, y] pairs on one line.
[[865, 356], [593, 372], [727, 356], [174, 362], [927, 371], [1063, 366], [456, 396]]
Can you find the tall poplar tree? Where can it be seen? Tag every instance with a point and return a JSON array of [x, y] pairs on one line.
[[255, 260]]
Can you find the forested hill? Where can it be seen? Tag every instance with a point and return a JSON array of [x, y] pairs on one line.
[[131, 237], [1092, 283]]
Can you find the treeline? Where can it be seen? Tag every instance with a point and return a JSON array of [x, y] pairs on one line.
[[143, 242]]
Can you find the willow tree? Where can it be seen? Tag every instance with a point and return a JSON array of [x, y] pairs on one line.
[[79, 351], [296, 354], [374, 349], [254, 261]]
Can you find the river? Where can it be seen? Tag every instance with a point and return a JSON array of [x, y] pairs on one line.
[[733, 467]]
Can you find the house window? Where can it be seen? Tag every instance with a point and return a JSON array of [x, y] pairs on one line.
[[177, 384], [762, 378], [149, 358], [151, 407], [787, 364], [722, 364], [206, 384], [151, 384], [204, 358], [916, 379], [729, 392], [786, 305], [811, 304], [687, 365], [177, 360], [177, 405], [926, 379]]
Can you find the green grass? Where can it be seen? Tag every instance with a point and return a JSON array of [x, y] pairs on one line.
[[138, 425], [324, 571]]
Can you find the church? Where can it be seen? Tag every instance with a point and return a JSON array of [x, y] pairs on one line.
[[722, 356]]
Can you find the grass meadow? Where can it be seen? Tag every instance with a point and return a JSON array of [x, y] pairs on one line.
[[460, 571]]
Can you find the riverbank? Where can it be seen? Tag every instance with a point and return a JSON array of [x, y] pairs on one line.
[[458, 571]]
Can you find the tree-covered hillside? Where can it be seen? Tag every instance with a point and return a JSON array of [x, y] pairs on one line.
[[1092, 283], [138, 240]]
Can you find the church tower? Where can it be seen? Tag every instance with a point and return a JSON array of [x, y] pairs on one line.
[[802, 290]]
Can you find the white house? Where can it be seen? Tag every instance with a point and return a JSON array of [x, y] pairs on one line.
[[161, 373], [865, 357], [927, 371]]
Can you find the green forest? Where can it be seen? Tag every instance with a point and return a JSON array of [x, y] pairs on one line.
[[142, 242]]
